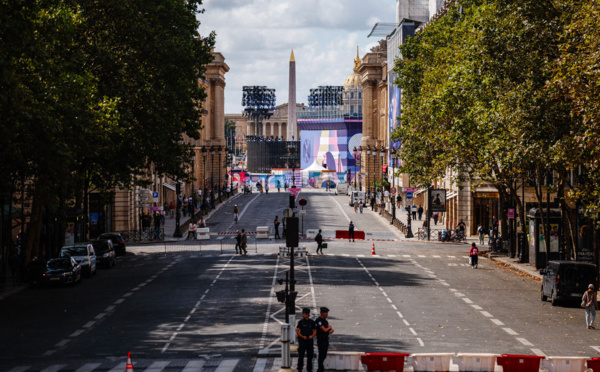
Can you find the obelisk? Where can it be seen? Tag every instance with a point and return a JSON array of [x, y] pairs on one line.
[[292, 125]]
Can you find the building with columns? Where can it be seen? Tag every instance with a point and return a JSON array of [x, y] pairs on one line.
[[209, 162]]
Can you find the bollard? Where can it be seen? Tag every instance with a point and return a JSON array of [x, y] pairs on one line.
[[285, 348], [293, 344]]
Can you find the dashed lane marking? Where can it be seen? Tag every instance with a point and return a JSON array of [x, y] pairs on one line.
[[89, 367]]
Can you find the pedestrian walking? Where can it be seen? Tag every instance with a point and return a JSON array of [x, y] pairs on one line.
[[435, 218], [202, 222], [244, 243], [372, 203], [589, 301], [276, 224], [360, 206], [420, 212], [414, 211], [306, 331], [238, 242], [319, 240], [355, 206], [172, 209], [481, 233], [192, 231], [474, 255], [323, 332], [351, 232], [236, 212], [278, 186]]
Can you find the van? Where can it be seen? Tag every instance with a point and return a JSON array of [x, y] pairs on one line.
[[566, 281], [357, 196], [342, 188]]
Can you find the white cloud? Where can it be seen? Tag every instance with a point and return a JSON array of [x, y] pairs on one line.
[[257, 36]]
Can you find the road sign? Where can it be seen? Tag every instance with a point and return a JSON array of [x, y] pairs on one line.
[[511, 213], [143, 198], [302, 202], [155, 208], [155, 196], [409, 195], [303, 212], [393, 190]]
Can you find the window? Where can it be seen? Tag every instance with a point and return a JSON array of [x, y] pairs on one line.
[[360, 95], [351, 95], [352, 109], [360, 109]]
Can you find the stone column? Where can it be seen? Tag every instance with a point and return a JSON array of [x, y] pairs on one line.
[[368, 97], [279, 130], [219, 113]]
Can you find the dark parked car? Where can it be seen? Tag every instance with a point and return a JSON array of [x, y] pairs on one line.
[[117, 240], [105, 253], [62, 271], [567, 280]]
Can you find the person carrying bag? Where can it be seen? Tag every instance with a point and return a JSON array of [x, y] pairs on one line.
[[589, 301]]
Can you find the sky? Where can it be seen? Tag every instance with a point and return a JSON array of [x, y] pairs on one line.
[[256, 38]]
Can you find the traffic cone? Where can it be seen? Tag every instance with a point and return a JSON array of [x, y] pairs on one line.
[[129, 366], [373, 251]]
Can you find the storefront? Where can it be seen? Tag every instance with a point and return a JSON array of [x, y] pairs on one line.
[[485, 207]]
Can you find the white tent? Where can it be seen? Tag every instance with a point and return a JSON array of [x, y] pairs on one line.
[[314, 167]]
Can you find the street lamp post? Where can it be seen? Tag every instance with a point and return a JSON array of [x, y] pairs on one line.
[[220, 186], [393, 158], [359, 168], [204, 153], [381, 154], [368, 184], [212, 173], [177, 233], [193, 176]]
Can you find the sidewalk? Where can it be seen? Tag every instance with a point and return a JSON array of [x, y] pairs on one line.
[[514, 265]]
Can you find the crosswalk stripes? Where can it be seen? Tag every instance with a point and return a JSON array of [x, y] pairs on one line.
[[195, 365]]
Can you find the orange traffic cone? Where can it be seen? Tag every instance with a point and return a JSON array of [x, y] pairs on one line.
[[129, 366], [373, 251]]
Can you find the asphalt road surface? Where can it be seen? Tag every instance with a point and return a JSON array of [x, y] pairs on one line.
[[199, 307]]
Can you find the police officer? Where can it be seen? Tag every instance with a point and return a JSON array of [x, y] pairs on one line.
[[306, 331], [323, 332]]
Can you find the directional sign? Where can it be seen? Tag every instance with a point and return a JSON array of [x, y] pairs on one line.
[[409, 195], [155, 196], [143, 198], [393, 190]]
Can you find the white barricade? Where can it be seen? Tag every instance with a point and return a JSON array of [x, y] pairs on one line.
[[203, 233], [384, 235], [564, 364], [262, 232], [343, 360], [311, 233], [328, 234], [475, 362], [426, 362], [298, 251]]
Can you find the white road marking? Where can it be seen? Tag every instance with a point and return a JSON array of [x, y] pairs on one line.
[[120, 367], [436, 256], [421, 256], [476, 307], [20, 369], [406, 255], [451, 256], [538, 352], [62, 343], [49, 352], [389, 300], [228, 365], [394, 307], [260, 365], [89, 324], [421, 342], [88, 367], [486, 314], [497, 322], [100, 316], [413, 331], [119, 301], [597, 348], [196, 365], [467, 300], [128, 294], [110, 308], [54, 368], [376, 283], [510, 331], [399, 314], [341, 209], [524, 341], [391, 255], [360, 255], [406, 322], [76, 333], [157, 366]]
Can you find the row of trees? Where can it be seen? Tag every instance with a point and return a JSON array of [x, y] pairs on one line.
[[501, 92], [92, 92]]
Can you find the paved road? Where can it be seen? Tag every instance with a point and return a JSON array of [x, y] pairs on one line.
[[190, 307]]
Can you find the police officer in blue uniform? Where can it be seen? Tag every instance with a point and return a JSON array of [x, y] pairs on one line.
[[306, 331], [323, 332]]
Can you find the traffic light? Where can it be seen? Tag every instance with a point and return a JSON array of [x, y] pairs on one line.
[[292, 204], [291, 236]]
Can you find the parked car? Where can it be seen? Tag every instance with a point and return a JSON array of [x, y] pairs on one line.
[[567, 280], [117, 240], [85, 256], [105, 252], [62, 271]]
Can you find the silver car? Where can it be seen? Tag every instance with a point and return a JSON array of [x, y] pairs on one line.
[[85, 256]]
